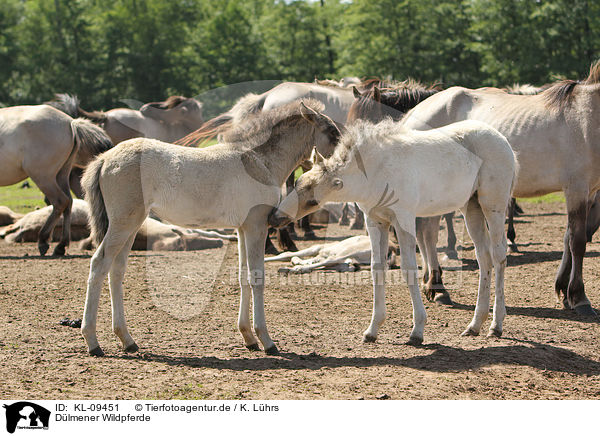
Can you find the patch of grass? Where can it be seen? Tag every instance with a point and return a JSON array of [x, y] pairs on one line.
[[21, 200], [555, 197]]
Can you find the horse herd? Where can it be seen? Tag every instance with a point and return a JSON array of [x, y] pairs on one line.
[[405, 153]]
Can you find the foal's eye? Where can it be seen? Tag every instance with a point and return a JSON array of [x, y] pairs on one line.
[[338, 184]]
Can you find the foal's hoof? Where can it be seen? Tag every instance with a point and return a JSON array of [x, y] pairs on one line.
[[512, 248], [43, 247], [369, 339], [253, 347], [469, 332], [494, 333], [585, 310], [272, 350], [452, 254], [97, 352], [414, 341], [133, 348], [59, 251], [443, 299]]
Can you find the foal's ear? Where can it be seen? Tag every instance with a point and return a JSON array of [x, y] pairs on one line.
[[376, 94], [356, 92], [316, 157], [308, 113]]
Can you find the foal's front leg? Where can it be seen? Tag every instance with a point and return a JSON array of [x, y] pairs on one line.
[[378, 233], [255, 236], [244, 313]]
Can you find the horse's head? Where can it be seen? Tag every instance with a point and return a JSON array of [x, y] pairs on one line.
[[312, 189], [174, 110], [326, 131]]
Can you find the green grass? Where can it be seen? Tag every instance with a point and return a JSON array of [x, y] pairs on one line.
[[555, 197], [21, 200]]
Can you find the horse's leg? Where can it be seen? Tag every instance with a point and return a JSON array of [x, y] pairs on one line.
[[564, 272], [269, 247], [495, 221], [510, 233], [593, 217], [359, 219], [115, 280], [477, 228], [378, 234], [410, 272], [75, 182], [244, 314], [285, 241], [310, 251], [451, 240], [59, 201], [102, 260], [434, 287], [62, 178], [255, 235], [577, 216], [309, 233], [344, 219], [422, 251]]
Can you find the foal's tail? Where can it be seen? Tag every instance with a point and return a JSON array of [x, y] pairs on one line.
[[93, 195], [92, 140]]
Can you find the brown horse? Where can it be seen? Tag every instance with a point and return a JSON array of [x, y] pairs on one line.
[[44, 143]]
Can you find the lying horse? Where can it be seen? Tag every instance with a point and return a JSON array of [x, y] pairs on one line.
[[396, 175], [232, 184], [341, 256], [44, 143]]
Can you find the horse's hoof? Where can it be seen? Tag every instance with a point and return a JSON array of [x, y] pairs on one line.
[[414, 341], [253, 347], [310, 236], [345, 222], [494, 333], [565, 304], [469, 332], [97, 352], [272, 350], [369, 339], [585, 310], [443, 299], [43, 247], [512, 248], [133, 348], [356, 226], [59, 251]]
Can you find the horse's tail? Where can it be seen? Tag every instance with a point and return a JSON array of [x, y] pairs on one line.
[[69, 104], [91, 139], [208, 131], [93, 195]]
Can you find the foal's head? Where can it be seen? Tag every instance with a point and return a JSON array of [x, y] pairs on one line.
[[312, 190], [325, 132]]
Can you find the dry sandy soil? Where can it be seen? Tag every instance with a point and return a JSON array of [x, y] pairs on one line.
[[182, 309]]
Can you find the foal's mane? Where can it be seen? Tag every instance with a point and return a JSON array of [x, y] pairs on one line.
[[254, 130], [560, 94]]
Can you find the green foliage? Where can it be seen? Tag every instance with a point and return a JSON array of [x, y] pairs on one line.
[[108, 50]]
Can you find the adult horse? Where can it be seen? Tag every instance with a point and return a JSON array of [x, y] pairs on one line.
[[555, 135], [166, 121], [44, 143], [396, 175], [232, 184]]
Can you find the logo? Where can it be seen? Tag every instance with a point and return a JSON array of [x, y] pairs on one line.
[[26, 415]]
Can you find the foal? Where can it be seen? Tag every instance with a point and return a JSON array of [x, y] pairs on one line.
[[232, 184]]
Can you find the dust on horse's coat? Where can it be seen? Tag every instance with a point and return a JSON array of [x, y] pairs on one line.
[[341, 256], [166, 121], [232, 184], [555, 135], [44, 143], [395, 175]]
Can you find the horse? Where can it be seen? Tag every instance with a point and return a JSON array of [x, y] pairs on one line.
[[235, 184], [555, 136], [395, 175], [376, 105], [44, 143], [166, 121]]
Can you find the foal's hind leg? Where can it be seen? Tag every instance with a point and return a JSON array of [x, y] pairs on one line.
[[451, 239], [476, 226], [434, 287], [102, 261], [115, 279], [244, 312], [62, 179]]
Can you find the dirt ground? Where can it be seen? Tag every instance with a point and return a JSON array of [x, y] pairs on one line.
[[182, 309]]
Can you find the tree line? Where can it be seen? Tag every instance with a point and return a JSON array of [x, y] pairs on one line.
[[107, 50]]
